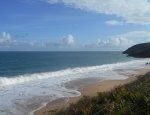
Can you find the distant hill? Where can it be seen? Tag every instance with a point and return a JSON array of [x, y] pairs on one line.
[[139, 50]]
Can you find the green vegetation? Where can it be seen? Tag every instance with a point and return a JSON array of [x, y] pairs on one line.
[[129, 99]]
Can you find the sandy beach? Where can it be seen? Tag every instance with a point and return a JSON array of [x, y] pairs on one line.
[[89, 87]]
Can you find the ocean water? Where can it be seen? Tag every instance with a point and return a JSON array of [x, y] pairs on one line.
[[35, 78]]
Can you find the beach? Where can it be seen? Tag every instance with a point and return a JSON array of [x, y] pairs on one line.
[[41, 86], [89, 87]]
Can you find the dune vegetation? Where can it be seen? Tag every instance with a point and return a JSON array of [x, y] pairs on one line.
[[129, 99]]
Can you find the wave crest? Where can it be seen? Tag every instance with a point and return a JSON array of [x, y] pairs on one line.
[[70, 71]]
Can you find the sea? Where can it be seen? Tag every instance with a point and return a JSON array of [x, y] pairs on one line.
[[29, 80]]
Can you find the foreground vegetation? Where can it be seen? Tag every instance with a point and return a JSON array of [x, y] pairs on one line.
[[130, 99]]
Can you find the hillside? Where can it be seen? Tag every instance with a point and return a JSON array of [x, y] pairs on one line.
[[139, 50]]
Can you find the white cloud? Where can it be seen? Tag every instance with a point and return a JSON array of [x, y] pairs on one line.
[[119, 42], [115, 42], [6, 38], [113, 23], [125, 40], [132, 11], [10, 43], [68, 40], [137, 36]]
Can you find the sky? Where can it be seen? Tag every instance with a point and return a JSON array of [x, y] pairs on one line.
[[73, 25]]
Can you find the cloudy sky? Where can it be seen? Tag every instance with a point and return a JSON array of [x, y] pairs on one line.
[[73, 25]]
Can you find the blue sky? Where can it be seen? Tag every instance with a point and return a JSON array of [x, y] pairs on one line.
[[55, 25]]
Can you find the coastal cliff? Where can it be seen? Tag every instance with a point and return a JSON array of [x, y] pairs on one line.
[[139, 50]]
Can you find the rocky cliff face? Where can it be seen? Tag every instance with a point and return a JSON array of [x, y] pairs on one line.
[[139, 50]]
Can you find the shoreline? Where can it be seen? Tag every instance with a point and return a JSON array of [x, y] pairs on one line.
[[86, 90]]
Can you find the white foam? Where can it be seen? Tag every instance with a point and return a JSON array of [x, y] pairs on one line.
[[38, 76], [32, 112], [16, 93], [70, 71]]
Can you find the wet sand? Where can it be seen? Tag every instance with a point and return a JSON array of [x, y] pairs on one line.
[[87, 87]]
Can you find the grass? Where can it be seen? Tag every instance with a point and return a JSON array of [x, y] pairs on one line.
[[129, 99]]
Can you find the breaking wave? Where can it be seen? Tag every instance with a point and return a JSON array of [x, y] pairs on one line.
[[70, 71]]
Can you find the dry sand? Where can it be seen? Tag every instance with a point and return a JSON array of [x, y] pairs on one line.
[[89, 89]]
